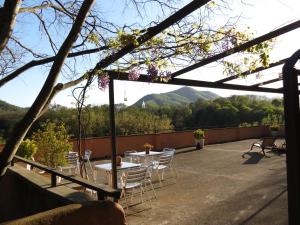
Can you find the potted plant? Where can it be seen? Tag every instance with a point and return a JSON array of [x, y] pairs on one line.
[[199, 138], [147, 147], [274, 130]]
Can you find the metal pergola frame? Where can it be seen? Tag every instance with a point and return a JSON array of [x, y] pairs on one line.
[[289, 90]]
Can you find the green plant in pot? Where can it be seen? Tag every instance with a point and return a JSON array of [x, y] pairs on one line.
[[274, 129], [199, 138]]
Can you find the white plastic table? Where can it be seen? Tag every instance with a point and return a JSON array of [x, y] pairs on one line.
[[143, 153], [107, 167]]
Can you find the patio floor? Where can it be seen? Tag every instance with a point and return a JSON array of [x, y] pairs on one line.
[[216, 186]]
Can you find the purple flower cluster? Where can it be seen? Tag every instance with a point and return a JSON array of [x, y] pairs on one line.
[[152, 71], [103, 81], [134, 74]]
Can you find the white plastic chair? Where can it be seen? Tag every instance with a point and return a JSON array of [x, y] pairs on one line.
[[148, 178], [169, 151], [86, 158], [72, 164], [130, 158], [131, 180], [164, 163]]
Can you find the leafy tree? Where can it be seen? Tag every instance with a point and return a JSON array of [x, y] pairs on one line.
[[52, 142], [27, 149]]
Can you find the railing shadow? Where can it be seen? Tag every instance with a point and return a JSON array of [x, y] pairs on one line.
[[263, 207]]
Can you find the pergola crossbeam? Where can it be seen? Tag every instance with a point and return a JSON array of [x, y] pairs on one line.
[[196, 83], [258, 69], [267, 82], [239, 48]]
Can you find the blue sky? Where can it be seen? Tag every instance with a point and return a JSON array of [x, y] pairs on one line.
[[260, 16]]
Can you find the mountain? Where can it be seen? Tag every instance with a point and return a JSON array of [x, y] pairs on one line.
[[180, 96], [4, 106]]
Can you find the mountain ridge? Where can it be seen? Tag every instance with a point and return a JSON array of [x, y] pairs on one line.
[[4, 106], [180, 96]]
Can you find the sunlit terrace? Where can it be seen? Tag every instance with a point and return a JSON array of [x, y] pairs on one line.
[[216, 185]]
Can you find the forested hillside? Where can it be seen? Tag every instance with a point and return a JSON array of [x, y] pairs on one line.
[[181, 96], [220, 112]]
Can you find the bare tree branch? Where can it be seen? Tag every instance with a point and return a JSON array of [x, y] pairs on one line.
[[37, 107], [34, 9], [34, 63], [26, 48]]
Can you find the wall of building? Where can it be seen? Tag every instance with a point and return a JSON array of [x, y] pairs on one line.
[[101, 147]]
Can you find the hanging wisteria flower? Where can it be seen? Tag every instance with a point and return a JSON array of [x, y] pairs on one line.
[[134, 74], [165, 76], [103, 81], [152, 71]]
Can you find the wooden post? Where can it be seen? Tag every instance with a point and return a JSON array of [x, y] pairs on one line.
[[292, 130], [113, 132]]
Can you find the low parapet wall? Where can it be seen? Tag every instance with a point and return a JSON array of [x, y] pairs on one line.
[[24, 193], [27, 194], [101, 147]]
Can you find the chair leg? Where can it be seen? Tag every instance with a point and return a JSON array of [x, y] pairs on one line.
[[173, 174], [90, 166], [264, 153], [162, 174], [175, 171], [131, 198], [126, 202], [146, 193], [157, 173], [152, 187], [263, 150], [141, 193]]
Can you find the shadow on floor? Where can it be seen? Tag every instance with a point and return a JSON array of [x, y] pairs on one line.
[[263, 207], [255, 157]]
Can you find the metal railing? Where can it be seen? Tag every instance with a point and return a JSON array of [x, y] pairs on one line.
[[103, 191]]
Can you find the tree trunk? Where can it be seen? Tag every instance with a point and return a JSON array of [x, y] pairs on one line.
[[37, 107], [8, 15]]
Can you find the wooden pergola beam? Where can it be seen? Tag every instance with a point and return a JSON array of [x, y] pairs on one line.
[[176, 81], [258, 69], [239, 48], [266, 82]]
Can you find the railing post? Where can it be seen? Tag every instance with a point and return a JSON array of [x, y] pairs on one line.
[[100, 196], [53, 180]]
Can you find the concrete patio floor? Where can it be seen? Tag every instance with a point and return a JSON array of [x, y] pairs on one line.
[[216, 186]]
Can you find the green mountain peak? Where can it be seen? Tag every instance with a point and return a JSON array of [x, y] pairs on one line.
[[181, 96]]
